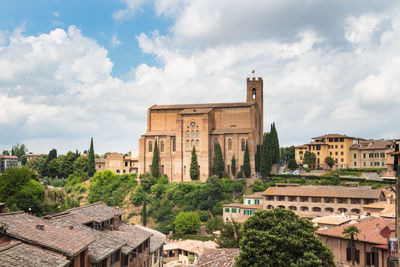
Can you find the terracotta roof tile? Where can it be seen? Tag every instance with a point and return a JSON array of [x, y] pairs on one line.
[[241, 205], [218, 257], [372, 144], [24, 227], [132, 235], [157, 239], [325, 191], [370, 230], [97, 212], [25, 255], [255, 195]]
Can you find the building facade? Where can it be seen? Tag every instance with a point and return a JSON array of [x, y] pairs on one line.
[[372, 154], [118, 163], [179, 128], [8, 162]]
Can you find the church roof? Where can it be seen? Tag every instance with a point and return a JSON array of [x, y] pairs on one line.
[[206, 105]]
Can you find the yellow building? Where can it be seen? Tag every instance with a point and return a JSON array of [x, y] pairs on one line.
[[336, 146]]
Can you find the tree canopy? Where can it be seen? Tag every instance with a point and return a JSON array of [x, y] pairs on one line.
[[194, 166], [280, 238], [91, 163], [218, 166], [329, 161], [155, 163], [309, 158], [233, 166], [246, 162], [187, 222], [266, 155]]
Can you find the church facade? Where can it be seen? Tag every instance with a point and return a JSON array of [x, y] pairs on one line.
[[177, 128]]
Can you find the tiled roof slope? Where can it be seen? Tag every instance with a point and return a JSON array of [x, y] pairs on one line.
[[206, 105], [218, 257], [98, 212], [103, 244], [372, 144], [255, 195], [325, 191], [19, 254], [370, 230], [157, 239], [23, 226], [333, 136], [131, 234]]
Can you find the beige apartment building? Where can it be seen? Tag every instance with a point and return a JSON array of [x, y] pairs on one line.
[[372, 154], [118, 163], [241, 212], [312, 201], [179, 128]]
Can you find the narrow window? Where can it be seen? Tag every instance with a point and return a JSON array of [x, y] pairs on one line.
[[197, 143], [162, 146], [229, 144], [187, 133], [173, 144], [150, 146], [197, 134], [192, 133], [243, 144], [253, 93], [187, 142], [192, 143]]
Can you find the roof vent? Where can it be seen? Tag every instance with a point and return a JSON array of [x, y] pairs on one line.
[[71, 227], [40, 227]]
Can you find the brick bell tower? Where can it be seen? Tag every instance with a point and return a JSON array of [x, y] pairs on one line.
[[255, 95]]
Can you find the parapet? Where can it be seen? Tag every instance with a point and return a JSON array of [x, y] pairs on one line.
[[254, 79]]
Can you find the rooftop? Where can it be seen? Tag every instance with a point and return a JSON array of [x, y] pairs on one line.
[[333, 136], [372, 144], [326, 191], [255, 195], [194, 246], [241, 205], [331, 220], [7, 157], [31, 229], [157, 239], [372, 230], [218, 257], [103, 244], [206, 105], [97, 212], [18, 254], [132, 235]]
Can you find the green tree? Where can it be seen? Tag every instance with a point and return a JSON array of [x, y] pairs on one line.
[[275, 153], [194, 166], [292, 165], [352, 233], [329, 161], [144, 212], [233, 166], [67, 165], [19, 150], [218, 167], [187, 222], [246, 162], [155, 164], [214, 224], [258, 158], [81, 164], [6, 153], [280, 238], [20, 190], [266, 155], [230, 235], [309, 158], [91, 163]]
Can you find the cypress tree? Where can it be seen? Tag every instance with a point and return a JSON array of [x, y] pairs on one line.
[[156, 161], [258, 158], [91, 164], [233, 166], [194, 166], [266, 157], [144, 212], [246, 163], [218, 162], [275, 144]]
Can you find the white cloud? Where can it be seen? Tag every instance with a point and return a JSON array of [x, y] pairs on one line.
[[56, 14], [132, 6], [114, 41]]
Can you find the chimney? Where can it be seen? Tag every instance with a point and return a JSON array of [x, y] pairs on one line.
[[40, 227], [116, 222]]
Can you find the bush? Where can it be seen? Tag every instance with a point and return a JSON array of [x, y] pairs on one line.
[[204, 215], [214, 224], [217, 209], [187, 222], [138, 197]]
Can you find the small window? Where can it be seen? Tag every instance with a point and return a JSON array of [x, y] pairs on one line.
[[229, 144], [197, 143], [249, 201], [226, 209], [173, 144], [150, 146], [162, 146], [197, 134], [355, 163], [192, 143], [253, 93], [187, 142], [192, 134], [187, 133], [243, 145], [233, 210]]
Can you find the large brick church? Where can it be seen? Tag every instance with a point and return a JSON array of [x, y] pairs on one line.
[[177, 128]]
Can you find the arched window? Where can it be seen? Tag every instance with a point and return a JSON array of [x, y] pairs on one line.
[[281, 207], [162, 146], [187, 142], [253, 93], [192, 143], [329, 210], [316, 209], [270, 207], [197, 134], [173, 144], [342, 210], [187, 133], [243, 145], [197, 142], [150, 146], [292, 208], [192, 133], [356, 211], [229, 144], [304, 208]]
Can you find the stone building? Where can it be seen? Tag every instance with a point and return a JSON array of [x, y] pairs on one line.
[[7, 162], [118, 163], [372, 154], [179, 128]]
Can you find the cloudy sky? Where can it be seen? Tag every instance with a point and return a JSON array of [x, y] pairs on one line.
[[70, 70]]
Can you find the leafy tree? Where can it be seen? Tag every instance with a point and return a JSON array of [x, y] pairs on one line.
[[155, 164], [187, 222], [287, 153], [194, 166], [309, 158], [351, 232], [266, 155], [24, 159], [230, 235], [91, 163], [44, 167], [53, 167], [292, 165], [218, 167], [233, 166], [204, 215], [67, 165], [280, 238], [329, 161], [19, 150], [20, 190], [246, 162], [81, 164], [6, 152], [214, 224], [138, 197]]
